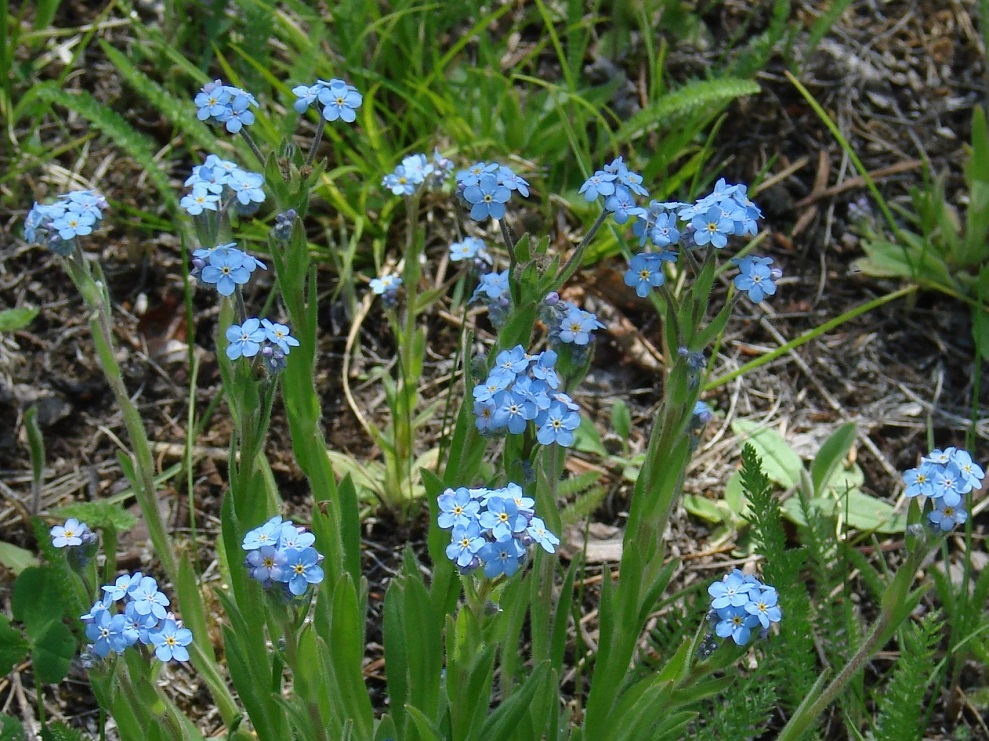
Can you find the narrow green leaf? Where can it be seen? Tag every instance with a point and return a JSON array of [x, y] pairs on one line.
[[831, 455]]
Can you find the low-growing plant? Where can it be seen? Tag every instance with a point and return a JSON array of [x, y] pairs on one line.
[[483, 632]]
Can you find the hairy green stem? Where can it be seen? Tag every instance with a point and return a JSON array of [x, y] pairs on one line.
[[93, 290]]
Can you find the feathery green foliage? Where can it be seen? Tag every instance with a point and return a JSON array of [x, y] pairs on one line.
[[116, 127], [901, 706], [793, 663]]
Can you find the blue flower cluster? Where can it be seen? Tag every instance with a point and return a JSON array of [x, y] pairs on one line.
[[945, 477], [523, 388], [281, 556], [492, 291], [338, 99], [260, 337], [741, 603], [224, 267], [568, 324], [492, 528], [485, 188], [668, 226], [219, 183], [72, 215], [618, 186], [223, 104], [143, 620], [417, 171]]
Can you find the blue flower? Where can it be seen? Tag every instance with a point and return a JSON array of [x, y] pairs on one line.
[[71, 533], [712, 227], [971, 472], [484, 414], [755, 277], [339, 100], [247, 186], [226, 270], [501, 557], [487, 198], [733, 591], [492, 387], [142, 624], [763, 604], [124, 586], [110, 633], [601, 183], [514, 413], [266, 534], [467, 249], [556, 425], [292, 536], [577, 326], [502, 518], [399, 182], [148, 599], [472, 175], [508, 178], [538, 532], [492, 285], [645, 272], [664, 231], [219, 103], [466, 543], [919, 481], [266, 564], [199, 199], [945, 516], [737, 623], [278, 335], [74, 224], [625, 177], [949, 486], [239, 113], [622, 205], [245, 339], [170, 641], [385, 284], [514, 360], [457, 508], [305, 96], [417, 167], [302, 569], [212, 101]]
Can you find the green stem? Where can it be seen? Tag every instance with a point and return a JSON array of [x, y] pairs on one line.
[[93, 291]]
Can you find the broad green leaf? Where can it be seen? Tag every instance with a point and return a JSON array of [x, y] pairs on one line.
[[11, 729], [17, 318], [707, 509], [16, 558], [37, 600], [860, 510], [53, 650], [779, 461], [13, 646]]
